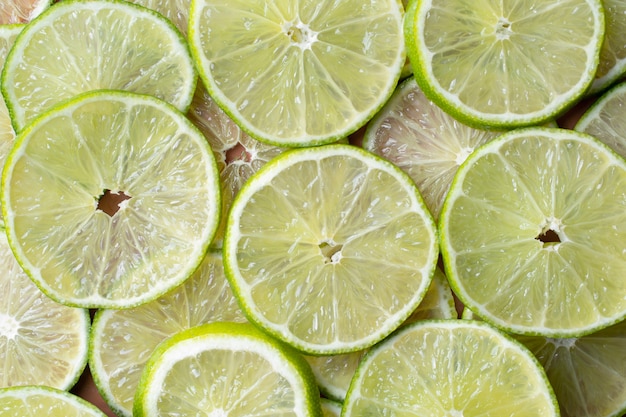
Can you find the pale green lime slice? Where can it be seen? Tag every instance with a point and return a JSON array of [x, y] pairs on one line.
[[21, 11], [122, 340], [44, 401], [298, 73], [504, 63], [226, 369], [110, 200], [450, 368], [177, 11], [613, 53], [533, 235], [329, 248], [77, 46]]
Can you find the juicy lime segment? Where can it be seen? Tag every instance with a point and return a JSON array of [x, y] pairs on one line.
[[110, 200], [533, 233], [613, 53], [504, 63], [292, 72], [21, 11], [80, 46], [41, 400], [329, 248]]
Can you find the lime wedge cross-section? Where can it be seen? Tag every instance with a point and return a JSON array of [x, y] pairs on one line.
[[533, 236], [294, 72], [110, 200], [329, 248]]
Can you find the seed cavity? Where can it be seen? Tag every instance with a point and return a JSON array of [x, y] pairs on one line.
[[110, 202]]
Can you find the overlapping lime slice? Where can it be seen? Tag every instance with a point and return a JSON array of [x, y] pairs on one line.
[[42, 400], [21, 11]]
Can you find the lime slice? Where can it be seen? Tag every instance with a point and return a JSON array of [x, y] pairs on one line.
[[177, 11], [613, 53], [21, 11], [450, 368], [330, 408], [110, 200], [81, 45], [423, 140], [42, 342], [238, 156], [334, 373], [329, 248], [226, 369], [120, 344], [605, 119], [532, 233], [292, 73], [504, 63], [44, 401]]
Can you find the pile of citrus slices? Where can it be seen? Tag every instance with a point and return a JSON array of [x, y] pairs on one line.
[[292, 208]]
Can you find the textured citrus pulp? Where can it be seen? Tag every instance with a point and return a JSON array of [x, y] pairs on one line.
[[504, 63], [293, 72], [613, 53], [21, 11], [532, 233], [450, 368], [122, 340], [334, 373], [329, 248], [423, 140], [79, 46], [41, 341], [44, 401], [226, 369], [177, 11], [142, 157]]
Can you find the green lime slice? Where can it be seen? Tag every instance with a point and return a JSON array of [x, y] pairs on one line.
[[42, 400]]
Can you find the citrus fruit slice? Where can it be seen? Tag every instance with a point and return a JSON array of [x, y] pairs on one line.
[[330, 408], [329, 248], [177, 11], [504, 63], [21, 11], [613, 53], [292, 73], [532, 236], [110, 200], [78, 46], [238, 155], [41, 400], [334, 373], [423, 140], [120, 343], [451, 368], [42, 342], [605, 119], [226, 369]]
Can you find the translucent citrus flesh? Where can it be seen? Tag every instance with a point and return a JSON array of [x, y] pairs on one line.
[[42, 342], [236, 371], [346, 255], [59, 171], [21, 11], [452, 368], [423, 140], [122, 340], [41, 400], [334, 373], [613, 53], [292, 72], [177, 11], [508, 63], [79, 46], [532, 234]]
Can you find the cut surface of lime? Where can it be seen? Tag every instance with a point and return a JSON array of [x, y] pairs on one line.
[[21, 11], [292, 73], [42, 342], [613, 53], [79, 46], [423, 140], [329, 248], [533, 236], [177, 11], [330, 408], [120, 345], [39, 400], [226, 369], [450, 368], [605, 119], [504, 63], [110, 200]]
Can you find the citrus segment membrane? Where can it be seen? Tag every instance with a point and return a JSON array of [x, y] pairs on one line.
[[226, 369], [329, 248], [532, 233], [79, 46], [292, 73], [177, 11], [507, 63], [120, 344], [450, 368], [110, 200], [39, 400]]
